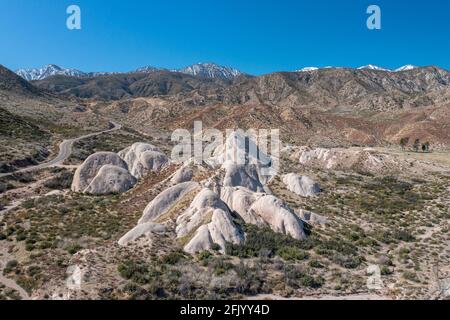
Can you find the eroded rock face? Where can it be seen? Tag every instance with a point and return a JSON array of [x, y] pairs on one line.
[[166, 200], [348, 159], [91, 166], [143, 157], [312, 218], [111, 179], [240, 200], [219, 231], [141, 230], [199, 212], [302, 185], [184, 174], [278, 217], [242, 175], [211, 222]]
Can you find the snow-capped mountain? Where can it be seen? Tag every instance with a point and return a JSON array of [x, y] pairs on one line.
[[147, 69], [47, 71], [373, 67], [210, 70], [206, 70], [308, 69], [406, 68]]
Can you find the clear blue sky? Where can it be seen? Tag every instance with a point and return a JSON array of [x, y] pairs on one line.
[[256, 36]]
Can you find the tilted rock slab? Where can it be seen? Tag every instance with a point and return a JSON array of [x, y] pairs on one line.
[[184, 174], [302, 185], [141, 230], [278, 217], [240, 200], [211, 222], [166, 200]]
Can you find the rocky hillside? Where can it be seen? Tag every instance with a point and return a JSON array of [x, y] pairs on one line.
[[361, 89], [120, 86]]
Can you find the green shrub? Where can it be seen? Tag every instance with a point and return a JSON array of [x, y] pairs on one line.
[[74, 248], [292, 253], [10, 266], [173, 257]]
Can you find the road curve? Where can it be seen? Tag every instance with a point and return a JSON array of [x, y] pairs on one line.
[[65, 150]]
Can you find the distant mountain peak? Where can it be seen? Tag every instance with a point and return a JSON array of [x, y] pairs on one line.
[[48, 71], [205, 70], [406, 68], [211, 70], [373, 67], [308, 69], [147, 69]]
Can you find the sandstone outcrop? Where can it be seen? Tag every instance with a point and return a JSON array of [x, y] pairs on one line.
[[301, 185], [143, 157], [166, 200], [86, 173]]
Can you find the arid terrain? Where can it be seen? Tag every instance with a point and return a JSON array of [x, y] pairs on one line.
[[359, 208]]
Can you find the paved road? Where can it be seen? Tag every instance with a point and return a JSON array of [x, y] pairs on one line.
[[65, 150]]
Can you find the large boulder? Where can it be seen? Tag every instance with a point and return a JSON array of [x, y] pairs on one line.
[[278, 216], [166, 200], [302, 185], [91, 166], [143, 157], [207, 222], [111, 179]]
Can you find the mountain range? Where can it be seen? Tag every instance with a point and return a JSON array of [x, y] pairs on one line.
[[332, 106], [205, 70]]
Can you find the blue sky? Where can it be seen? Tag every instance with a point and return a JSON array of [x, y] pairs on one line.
[[256, 36]]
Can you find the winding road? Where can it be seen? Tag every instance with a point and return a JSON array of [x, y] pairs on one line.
[[65, 150]]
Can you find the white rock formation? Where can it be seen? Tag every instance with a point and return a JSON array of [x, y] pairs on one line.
[[219, 231], [242, 175], [111, 179], [141, 230], [345, 159], [200, 210], [312, 218], [166, 200], [239, 200], [302, 185], [278, 217], [143, 157], [91, 166], [240, 148], [184, 174], [210, 220]]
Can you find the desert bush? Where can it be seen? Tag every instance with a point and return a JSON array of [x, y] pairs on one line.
[[61, 181], [265, 241]]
